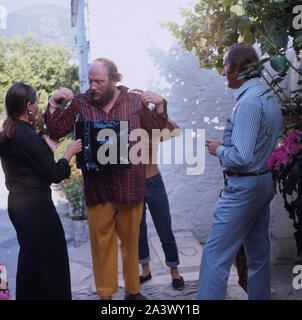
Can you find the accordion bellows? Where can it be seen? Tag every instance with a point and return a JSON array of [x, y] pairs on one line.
[[105, 145]]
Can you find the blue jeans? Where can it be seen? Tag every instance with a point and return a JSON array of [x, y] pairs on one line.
[[158, 205], [241, 216]]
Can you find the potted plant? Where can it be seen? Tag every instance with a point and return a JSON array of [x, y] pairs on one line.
[[73, 189]]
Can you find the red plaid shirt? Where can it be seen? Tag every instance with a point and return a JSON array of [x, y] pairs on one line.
[[122, 186]]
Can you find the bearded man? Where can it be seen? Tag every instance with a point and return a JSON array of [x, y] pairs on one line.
[[114, 199]]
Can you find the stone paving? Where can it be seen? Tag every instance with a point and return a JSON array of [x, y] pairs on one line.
[[158, 288]]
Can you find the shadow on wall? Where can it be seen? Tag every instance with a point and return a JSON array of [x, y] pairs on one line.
[[192, 92], [197, 99]]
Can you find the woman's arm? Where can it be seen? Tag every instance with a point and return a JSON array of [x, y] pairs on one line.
[[37, 153]]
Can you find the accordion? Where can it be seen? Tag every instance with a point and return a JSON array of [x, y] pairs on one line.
[[105, 145]]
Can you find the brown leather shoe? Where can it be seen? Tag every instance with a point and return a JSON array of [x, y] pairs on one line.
[[137, 296]]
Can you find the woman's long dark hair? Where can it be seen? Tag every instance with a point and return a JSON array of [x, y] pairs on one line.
[[17, 97]]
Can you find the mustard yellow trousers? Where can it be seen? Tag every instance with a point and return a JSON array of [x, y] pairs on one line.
[[107, 222]]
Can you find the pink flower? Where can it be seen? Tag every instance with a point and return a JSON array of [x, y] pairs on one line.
[[5, 295], [291, 138], [290, 142], [271, 161], [282, 155]]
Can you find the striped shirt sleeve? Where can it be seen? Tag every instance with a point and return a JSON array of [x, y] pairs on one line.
[[247, 120], [61, 121]]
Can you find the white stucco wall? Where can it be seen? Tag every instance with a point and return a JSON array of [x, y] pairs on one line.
[[283, 243], [198, 99]]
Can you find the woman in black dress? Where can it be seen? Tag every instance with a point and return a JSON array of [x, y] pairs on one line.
[[29, 167]]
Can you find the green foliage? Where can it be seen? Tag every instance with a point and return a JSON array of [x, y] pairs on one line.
[[62, 148], [73, 189], [45, 66], [212, 26]]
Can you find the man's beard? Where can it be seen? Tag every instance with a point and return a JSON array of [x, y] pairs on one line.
[[103, 99]]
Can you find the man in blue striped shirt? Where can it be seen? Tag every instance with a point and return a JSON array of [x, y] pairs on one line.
[[241, 215]]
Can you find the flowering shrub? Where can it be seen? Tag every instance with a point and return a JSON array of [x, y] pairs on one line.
[[290, 147], [73, 189], [286, 166], [212, 26]]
